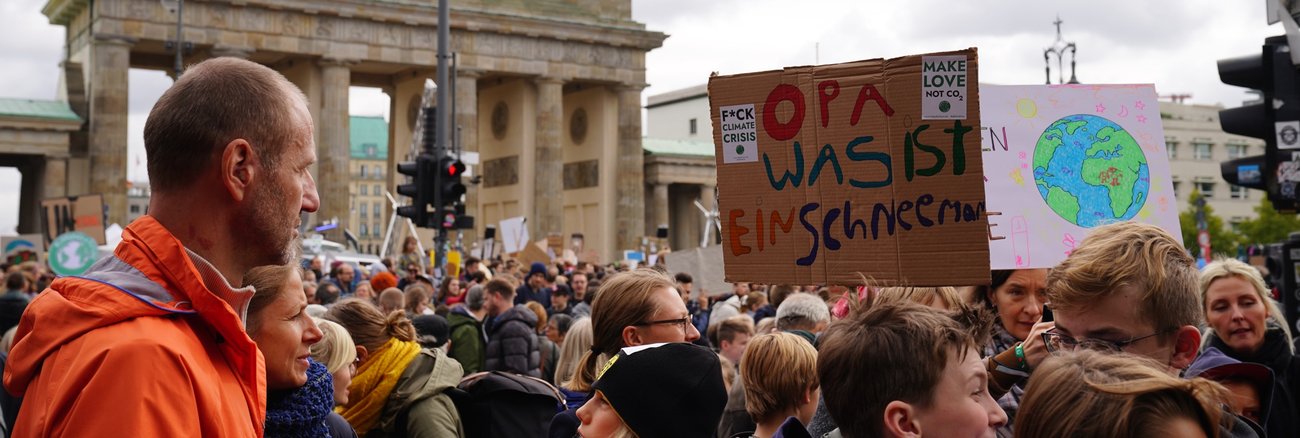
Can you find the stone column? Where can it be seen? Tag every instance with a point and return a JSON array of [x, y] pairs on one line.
[[333, 146], [660, 206], [465, 122], [629, 216], [110, 59], [29, 192], [548, 180], [55, 181], [231, 51]]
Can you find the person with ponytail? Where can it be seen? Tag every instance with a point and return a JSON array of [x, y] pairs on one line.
[[399, 388], [632, 308]]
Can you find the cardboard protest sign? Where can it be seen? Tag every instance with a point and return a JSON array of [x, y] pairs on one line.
[[83, 213], [534, 253], [1063, 159], [23, 248], [868, 167], [705, 266]]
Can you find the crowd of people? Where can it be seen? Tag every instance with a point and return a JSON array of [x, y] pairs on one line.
[[205, 322]]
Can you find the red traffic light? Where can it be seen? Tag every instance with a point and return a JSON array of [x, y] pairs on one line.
[[454, 168]]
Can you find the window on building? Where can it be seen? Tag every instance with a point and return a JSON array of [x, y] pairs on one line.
[[379, 231], [363, 171], [1206, 188], [135, 209], [379, 173], [1176, 188], [363, 209], [1238, 192], [1172, 148], [1236, 151], [378, 191], [694, 126], [377, 210], [363, 190], [1235, 223], [363, 229], [1201, 151]]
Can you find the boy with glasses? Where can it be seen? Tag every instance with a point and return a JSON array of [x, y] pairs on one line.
[[1128, 288]]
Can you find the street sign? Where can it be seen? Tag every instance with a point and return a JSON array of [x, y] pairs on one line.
[[72, 253]]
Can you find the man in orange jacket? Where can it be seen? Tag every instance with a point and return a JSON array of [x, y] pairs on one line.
[[151, 341]]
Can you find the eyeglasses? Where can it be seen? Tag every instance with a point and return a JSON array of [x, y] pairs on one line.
[[1056, 341], [682, 322]]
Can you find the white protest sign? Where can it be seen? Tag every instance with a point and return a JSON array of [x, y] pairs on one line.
[[514, 235], [1060, 160]]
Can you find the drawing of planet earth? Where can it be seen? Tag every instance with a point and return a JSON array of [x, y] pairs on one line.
[[1090, 171]]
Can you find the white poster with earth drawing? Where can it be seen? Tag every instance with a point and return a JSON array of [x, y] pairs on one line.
[[1060, 160]]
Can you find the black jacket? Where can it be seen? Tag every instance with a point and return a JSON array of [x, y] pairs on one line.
[[512, 343]]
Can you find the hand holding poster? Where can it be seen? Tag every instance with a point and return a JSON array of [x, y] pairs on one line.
[[869, 167], [1063, 159]]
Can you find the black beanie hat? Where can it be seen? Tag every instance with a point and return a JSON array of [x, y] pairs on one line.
[[665, 390], [432, 330]]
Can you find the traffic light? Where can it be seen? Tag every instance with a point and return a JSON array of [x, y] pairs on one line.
[[1275, 119], [450, 186], [417, 188]]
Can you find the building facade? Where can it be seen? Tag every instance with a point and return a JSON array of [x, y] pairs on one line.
[[680, 167], [368, 166], [557, 84], [137, 200], [1196, 144], [34, 138], [680, 115]]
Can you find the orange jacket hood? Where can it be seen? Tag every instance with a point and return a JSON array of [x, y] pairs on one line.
[[150, 276]]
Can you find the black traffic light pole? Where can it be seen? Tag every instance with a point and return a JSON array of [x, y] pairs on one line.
[[435, 187]]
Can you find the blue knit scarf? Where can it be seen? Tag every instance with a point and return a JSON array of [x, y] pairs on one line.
[[301, 412]]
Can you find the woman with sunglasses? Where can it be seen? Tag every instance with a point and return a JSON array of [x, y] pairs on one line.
[[633, 308]]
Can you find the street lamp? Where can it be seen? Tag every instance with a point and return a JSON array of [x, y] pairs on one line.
[[178, 7]]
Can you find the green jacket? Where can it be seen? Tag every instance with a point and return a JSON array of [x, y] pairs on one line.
[[467, 341], [418, 406]]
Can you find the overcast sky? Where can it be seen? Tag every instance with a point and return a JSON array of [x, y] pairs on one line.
[[1171, 43]]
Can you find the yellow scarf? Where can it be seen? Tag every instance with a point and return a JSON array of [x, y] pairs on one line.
[[375, 379]]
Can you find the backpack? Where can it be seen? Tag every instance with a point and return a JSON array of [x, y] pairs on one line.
[[501, 404]]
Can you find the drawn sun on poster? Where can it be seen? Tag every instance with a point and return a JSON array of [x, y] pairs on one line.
[[1090, 170]]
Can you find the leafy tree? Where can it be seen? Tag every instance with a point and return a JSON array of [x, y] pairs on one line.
[[1268, 226], [1223, 240]]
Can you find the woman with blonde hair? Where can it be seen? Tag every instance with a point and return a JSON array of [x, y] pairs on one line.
[[1087, 394], [338, 354], [398, 389], [576, 342], [631, 308], [1245, 324]]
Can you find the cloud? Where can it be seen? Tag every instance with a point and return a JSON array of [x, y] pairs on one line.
[[1173, 44]]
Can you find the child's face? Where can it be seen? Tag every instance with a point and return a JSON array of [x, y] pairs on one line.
[[598, 418], [1244, 401], [962, 406]]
